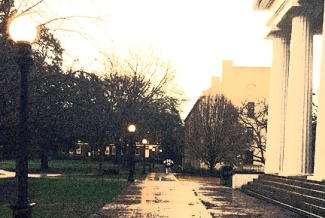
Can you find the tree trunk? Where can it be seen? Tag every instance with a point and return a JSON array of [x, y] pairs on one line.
[[44, 158], [211, 167], [101, 159], [118, 150]]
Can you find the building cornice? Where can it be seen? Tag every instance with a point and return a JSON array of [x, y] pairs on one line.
[[279, 13], [262, 4]]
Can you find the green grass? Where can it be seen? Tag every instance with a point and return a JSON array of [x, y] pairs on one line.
[[73, 198], [61, 164], [74, 168], [7, 165], [79, 193], [68, 197]]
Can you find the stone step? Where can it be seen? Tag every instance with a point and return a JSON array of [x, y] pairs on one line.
[[301, 195], [309, 184], [293, 188], [294, 199], [281, 204]]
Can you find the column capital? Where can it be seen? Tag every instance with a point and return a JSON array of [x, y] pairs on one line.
[[276, 32], [283, 11]]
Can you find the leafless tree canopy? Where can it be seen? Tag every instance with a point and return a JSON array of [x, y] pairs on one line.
[[216, 135], [257, 124]]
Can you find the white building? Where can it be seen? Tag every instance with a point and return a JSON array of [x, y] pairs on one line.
[[292, 25]]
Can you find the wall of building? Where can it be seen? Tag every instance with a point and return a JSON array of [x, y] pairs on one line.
[[239, 84]]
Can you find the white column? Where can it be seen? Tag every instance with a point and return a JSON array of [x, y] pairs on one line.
[[277, 98], [319, 166], [297, 148]]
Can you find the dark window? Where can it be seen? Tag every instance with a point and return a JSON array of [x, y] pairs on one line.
[[249, 157], [137, 151], [250, 133], [250, 109]]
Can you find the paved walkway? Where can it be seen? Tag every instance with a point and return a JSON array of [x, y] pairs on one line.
[[161, 195], [8, 174]]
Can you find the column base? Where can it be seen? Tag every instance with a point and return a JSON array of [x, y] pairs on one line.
[[316, 178], [272, 172], [302, 176]]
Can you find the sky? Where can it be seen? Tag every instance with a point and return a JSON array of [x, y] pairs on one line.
[[196, 35]]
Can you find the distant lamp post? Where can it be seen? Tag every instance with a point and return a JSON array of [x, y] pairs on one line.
[[23, 33], [153, 160], [144, 142], [131, 130], [150, 157]]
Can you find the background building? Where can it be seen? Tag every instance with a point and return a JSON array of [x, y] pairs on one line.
[[239, 84]]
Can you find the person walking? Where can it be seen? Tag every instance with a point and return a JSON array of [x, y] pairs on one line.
[[168, 164]]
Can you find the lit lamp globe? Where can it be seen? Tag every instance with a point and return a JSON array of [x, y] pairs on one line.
[[22, 30], [144, 141], [131, 128]]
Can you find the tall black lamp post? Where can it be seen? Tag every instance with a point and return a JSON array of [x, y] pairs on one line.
[[150, 158], [144, 143], [131, 130], [23, 33]]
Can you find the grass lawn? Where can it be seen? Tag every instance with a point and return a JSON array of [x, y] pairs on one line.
[[79, 193], [65, 166]]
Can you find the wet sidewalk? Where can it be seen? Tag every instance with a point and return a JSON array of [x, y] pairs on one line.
[[9, 174], [162, 195]]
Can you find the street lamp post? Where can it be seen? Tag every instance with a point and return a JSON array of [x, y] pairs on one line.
[[144, 142], [150, 158], [153, 157], [23, 34], [131, 130]]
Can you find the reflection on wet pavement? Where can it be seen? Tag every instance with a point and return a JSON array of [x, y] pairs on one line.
[[162, 195], [222, 201]]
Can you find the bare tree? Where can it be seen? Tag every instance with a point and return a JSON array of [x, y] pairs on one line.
[[140, 89], [254, 116], [216, 135], [71, 24]]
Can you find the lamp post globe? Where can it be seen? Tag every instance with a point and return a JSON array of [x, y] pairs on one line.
[[144, 141], [23, 33], [22, 29], [131, 130]]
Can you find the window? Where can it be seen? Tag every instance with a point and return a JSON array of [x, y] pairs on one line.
[[250, 109], [107, 151], [113, 150], [250, 133]]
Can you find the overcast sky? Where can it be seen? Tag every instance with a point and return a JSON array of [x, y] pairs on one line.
[[196, 35]]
